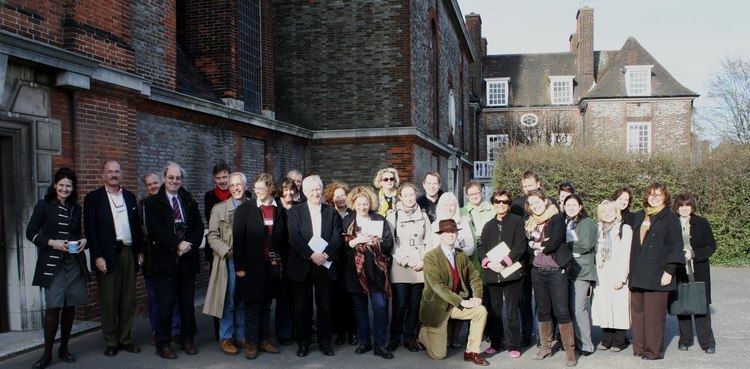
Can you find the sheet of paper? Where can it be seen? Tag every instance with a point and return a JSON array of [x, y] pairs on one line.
[[317, 244], [509, 270], [498, 252], [371, 227]]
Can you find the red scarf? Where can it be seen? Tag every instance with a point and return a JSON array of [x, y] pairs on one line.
[[223, 195], [381, 261]]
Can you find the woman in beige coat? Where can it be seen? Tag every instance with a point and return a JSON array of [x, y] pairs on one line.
[[610, 305], [220, 300], [411, 229]]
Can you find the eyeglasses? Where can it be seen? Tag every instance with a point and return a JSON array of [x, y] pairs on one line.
[[389, 179], [473, 194], [498, 201], [173, 178]]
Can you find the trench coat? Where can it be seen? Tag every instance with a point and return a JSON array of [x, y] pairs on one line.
[[610, 308], [411, 234], [220, 240]]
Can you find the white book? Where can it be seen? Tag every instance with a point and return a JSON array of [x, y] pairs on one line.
[[498, 253]]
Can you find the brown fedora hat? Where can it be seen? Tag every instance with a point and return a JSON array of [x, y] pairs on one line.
[[447, 225]]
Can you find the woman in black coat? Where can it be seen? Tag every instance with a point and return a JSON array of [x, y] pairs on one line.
[[367, 269], [699, 245], [655, 254], [623, 197], [61, 269], [260, 237], [503, 291]]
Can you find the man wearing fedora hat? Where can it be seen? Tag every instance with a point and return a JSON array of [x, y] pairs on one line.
[[452, 290]]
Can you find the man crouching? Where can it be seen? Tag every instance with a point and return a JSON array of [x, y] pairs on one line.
[[447, 271]]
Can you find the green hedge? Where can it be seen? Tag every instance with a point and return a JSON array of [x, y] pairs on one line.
[[720, 181]]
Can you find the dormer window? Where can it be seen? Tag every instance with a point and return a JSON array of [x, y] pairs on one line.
[[638, 80], [561, 90], [497, 91]]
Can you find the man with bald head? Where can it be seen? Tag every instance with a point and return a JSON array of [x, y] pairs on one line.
[[116, 246], [175, 228]]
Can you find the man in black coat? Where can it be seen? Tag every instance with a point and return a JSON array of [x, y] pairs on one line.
[[115, 242], [428, 201], [315, 239], [174, 225]]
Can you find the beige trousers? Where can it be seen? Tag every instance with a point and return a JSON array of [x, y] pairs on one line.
[[435, 339]]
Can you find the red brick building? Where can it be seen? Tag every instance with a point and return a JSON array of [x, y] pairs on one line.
[[266, 85]]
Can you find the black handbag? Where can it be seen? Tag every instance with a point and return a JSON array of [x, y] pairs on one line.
[[690, 297]]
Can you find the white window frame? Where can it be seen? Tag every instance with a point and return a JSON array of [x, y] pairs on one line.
[[496, 144], [633, 87], [499, 101], [565, 136], [634, 137], [530, 115], [565, 80]]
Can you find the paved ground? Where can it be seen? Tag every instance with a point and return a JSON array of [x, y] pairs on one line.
[[730, 321]]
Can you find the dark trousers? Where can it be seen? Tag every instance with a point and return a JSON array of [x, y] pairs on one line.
[[379, 304], [258, 321], [648, 312], [316, 279], [284, 316], [405, 314], [166, 288], [117, 298], [614, 338], [551, 294], [152, 307], [343, 310], [497, 296], [702, 326], [526, 309]]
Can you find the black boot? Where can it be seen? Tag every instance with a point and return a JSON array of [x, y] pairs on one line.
[[66, 326], [51, 320]]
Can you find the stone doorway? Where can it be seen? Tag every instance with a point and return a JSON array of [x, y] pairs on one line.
[[5, 191]]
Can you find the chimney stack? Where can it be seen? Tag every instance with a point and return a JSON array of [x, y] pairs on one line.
[[584, 49], [474, 27]]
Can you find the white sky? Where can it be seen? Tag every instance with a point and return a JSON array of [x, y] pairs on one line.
[[688, 37]]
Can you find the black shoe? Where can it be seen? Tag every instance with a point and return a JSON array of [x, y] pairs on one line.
[[682, 347], [66, 356], [455, 346], [340, 339], [303, 350], [327, 350], [526, 342], [131, 348], [362, 348], [41, 363], [353, 340], [392, 346], [586, 353], [110, 351], [710, 350], [411, 346], [383, 352]]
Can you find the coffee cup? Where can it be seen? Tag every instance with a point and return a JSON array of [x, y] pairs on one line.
[[73, 247]]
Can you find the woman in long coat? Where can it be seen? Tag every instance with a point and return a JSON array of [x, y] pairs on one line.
[[610, 305], [220, 294], [61, 268], [699, 245], [260, 236]]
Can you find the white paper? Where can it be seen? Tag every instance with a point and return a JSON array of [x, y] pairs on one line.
[[498, 253], [509, 270], [318, 244], [371, 227]]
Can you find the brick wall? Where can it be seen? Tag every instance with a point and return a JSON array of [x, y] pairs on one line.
[[154, 41], [285, 154], [253, 158], [342, 64], [40, 20]]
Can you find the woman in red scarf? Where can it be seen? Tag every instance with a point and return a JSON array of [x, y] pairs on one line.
[[367, 266]]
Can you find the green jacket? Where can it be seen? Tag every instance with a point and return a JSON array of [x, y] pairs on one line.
[[478, 216], [583, 265], [437, 297]]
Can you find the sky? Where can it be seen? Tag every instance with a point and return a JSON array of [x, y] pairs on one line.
[[688, 37]]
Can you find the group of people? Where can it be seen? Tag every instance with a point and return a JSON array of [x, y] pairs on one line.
[[348, 250]]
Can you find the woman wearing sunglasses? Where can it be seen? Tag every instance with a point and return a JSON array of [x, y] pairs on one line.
[[386, 181]]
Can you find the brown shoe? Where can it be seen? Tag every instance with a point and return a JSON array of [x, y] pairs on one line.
[[267, 346], [166, 353], [240, 344], [251, 352], [475, 358], [567, 336], [545, 341], [189, 348], [228, 347]]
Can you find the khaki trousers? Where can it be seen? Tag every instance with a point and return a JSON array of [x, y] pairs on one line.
[[435, 339]]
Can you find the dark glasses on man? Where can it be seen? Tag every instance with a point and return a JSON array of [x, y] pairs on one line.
[[498, 201]]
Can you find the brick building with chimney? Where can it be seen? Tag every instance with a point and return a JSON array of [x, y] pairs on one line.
[[265, 85], [621, 99]]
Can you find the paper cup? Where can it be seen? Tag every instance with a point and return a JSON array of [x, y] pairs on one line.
[[73, 247]]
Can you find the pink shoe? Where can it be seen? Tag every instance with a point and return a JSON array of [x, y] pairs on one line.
[[514, 354], [490, 351]]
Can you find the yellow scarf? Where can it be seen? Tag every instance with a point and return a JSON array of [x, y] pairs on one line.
[[535, 220], [646, 225]]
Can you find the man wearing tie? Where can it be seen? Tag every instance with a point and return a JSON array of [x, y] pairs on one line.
[[116, 246], [174, 224], [315, 236]]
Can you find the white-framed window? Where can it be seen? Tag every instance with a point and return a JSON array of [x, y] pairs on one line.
[[560, 139], [529, 120], [495, 146], [638, 80], [561, 90], [639, 137], [497, 91]]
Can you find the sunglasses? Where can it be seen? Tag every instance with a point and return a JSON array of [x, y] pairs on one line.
[[496, 202], [389, 179]]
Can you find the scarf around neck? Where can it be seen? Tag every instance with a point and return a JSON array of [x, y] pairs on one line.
[[535, 220], [222, 195], [646, 225]]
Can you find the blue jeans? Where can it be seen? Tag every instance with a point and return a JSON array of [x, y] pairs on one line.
[[379, 304], [405, 317], [232, 323]]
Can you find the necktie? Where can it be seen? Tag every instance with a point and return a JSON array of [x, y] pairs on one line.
[[177, 218]]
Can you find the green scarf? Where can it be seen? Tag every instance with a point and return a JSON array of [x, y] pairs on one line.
[[649, 210]]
